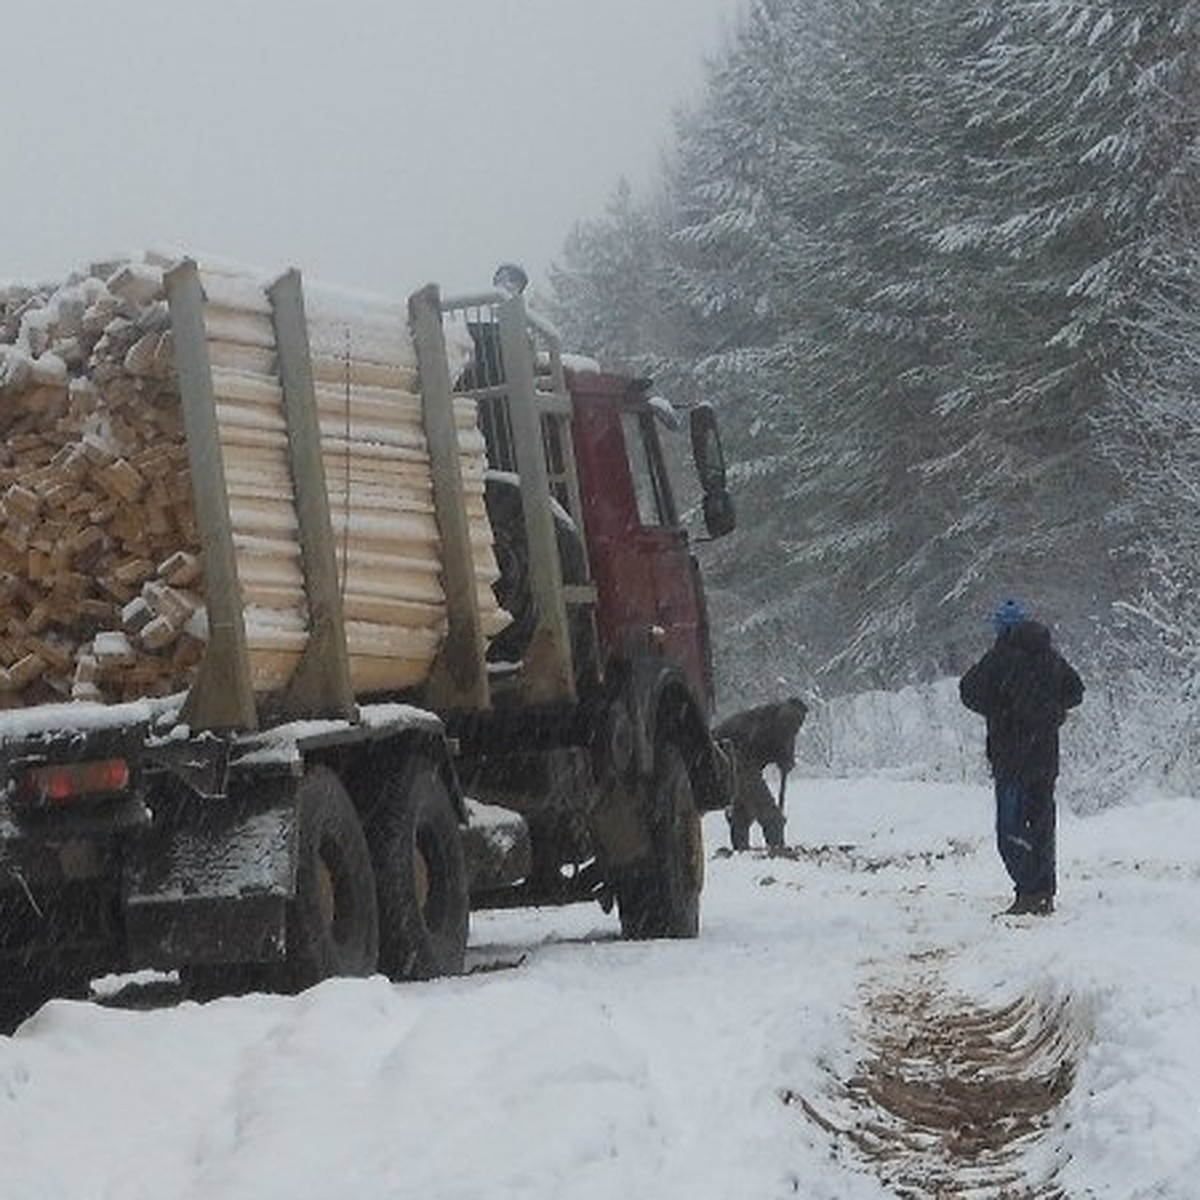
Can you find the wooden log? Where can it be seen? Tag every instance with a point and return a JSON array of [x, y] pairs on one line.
[[132, 572], [174, 604], [235, 416], [122, 480], [159, 525], [112, 649], [110, 585], [137, 283], [21, 504], [149, 356], [23, 672], [69, 586], [370, 673], [158, 633], [15, 538], [387, 403], [181, 570], [135, 616], [58, 656], [336, 369], [264, 594], [186, 655], [370, 439], [239, 327], [249, 388], [235, 357], [82, 503], [235, 291], [390, 610], [95, 612], [159, 459], [86, 547], [87, 669], [38, 565], [126, 526]]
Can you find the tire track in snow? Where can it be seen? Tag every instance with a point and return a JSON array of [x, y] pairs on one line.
[[954, 1099]]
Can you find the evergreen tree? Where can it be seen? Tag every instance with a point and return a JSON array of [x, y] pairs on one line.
[[1065, 169], [608, 289]]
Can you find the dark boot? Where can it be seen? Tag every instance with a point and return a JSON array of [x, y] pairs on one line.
[[773, 833], [1034, 904], [739, 833]]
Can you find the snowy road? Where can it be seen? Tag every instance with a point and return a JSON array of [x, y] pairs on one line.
[[792, 1050]]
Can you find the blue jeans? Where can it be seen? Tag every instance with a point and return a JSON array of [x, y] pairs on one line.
[[1025, 828]]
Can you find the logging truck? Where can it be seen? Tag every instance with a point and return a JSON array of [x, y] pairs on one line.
[[328, 619]]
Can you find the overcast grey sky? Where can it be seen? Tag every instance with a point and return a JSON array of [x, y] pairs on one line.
[[375, 143]]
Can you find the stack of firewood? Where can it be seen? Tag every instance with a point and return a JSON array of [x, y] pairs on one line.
[[99, 554], [101, 577]]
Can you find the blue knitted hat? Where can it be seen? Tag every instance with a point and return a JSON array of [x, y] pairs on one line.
[[1008, 613]]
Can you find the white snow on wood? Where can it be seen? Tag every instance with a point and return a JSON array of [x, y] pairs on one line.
[[17, 724]]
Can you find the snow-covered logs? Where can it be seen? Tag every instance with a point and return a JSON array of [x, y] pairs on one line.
[[101, 581]]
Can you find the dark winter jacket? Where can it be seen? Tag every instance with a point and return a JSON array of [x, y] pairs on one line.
[[1024, 687], [766, 734]]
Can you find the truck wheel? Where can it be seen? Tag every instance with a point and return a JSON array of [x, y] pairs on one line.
[[661, 898], [421, 876], [333, 924]]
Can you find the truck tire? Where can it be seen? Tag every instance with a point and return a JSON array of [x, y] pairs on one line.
[[333, 921], [661, 898], [421, 876]]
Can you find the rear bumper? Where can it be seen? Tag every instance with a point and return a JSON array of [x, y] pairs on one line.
[[210, 884]]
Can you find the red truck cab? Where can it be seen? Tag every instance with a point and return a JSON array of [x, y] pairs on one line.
[[597, 722], [649, 590]]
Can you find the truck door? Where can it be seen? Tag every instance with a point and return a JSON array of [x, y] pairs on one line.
[[660, 565]]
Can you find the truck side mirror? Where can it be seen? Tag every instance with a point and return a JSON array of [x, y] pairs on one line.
[[719, 515]]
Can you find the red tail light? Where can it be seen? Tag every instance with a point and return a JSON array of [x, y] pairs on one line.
[[70, 781]]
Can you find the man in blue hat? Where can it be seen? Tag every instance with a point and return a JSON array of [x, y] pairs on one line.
[[1023, 687]]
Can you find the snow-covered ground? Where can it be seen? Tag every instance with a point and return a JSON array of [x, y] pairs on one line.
[[782, 1053]]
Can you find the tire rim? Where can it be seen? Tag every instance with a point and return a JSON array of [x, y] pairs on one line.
[[421, 878], [695, 836], [691, 832], [326, 892]]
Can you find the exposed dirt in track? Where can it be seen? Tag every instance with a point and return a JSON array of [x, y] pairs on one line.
[[951, 1099]]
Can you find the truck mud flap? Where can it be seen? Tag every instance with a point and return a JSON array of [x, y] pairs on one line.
[[213, 888], [496, 847]]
